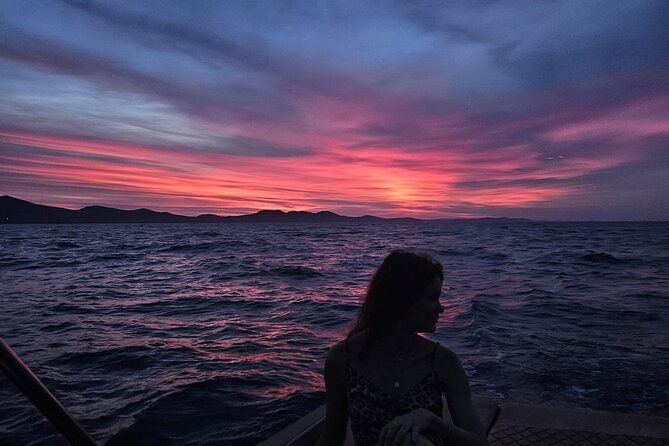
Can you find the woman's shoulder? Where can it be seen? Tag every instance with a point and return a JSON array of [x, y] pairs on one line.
[[347, 347], [335, 364], [427, 346], [337, 356], [448, 366], [445, 357]]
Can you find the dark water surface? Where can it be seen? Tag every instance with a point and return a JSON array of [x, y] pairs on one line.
[[215, 334]]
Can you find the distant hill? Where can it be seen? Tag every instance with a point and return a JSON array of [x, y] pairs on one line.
[[14, 210]]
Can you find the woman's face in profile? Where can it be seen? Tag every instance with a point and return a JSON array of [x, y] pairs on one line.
[[424, 314]]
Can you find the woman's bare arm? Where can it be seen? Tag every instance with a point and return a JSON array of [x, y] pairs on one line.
[[466, 429], [336, 408]]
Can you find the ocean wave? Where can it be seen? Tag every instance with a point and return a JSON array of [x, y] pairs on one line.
[[49, 264], [216, 409], [602, 257], [9, 264], [59, 327], [492, 255], [110, 360], [649, 296], [451, 253], [114, 257], [71, 308], [344, 306], [484, 308], [190, 247], [207, 234], [294, 271], [290, 271], [66, 244], [196, 305]]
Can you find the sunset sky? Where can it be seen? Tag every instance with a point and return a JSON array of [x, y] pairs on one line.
[[546, 110]]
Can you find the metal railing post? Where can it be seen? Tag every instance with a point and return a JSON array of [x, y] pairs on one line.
[[19, 373]]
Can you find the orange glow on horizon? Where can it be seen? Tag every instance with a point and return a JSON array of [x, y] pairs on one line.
[[380, 181]]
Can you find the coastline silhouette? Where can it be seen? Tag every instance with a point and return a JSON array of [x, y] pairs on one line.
[[17, 211]]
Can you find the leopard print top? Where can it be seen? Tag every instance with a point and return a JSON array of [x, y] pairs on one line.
[[370, 408]]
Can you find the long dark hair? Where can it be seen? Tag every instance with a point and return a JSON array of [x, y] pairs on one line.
[[395, 286]]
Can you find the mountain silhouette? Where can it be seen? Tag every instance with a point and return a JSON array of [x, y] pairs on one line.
[[14, 210]]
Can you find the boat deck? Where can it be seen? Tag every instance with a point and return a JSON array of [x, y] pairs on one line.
[[522, 424]]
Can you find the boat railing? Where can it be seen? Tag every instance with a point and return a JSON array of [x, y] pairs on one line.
[[31, 386]]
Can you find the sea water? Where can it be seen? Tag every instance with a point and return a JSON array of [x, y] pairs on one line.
[[195, 334]]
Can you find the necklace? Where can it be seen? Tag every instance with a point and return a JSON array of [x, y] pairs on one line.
[[402, 360]]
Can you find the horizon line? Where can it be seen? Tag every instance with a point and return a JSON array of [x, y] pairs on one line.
[[341, 215]]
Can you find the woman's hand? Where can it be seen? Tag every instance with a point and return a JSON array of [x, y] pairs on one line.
[[406, 429]]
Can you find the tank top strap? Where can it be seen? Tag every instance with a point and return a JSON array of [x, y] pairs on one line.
[[433, 359], [347, 353]]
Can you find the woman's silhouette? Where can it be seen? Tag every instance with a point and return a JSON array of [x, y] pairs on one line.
[[388, 379]]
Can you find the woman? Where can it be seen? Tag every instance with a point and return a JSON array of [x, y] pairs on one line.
[[388, 379]]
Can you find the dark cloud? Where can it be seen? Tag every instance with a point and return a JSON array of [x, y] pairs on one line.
[[228, 105], [23, 154], [544, 44], [511, 183], [244, 146], [626, 37], [277, 71], [174, 33]]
